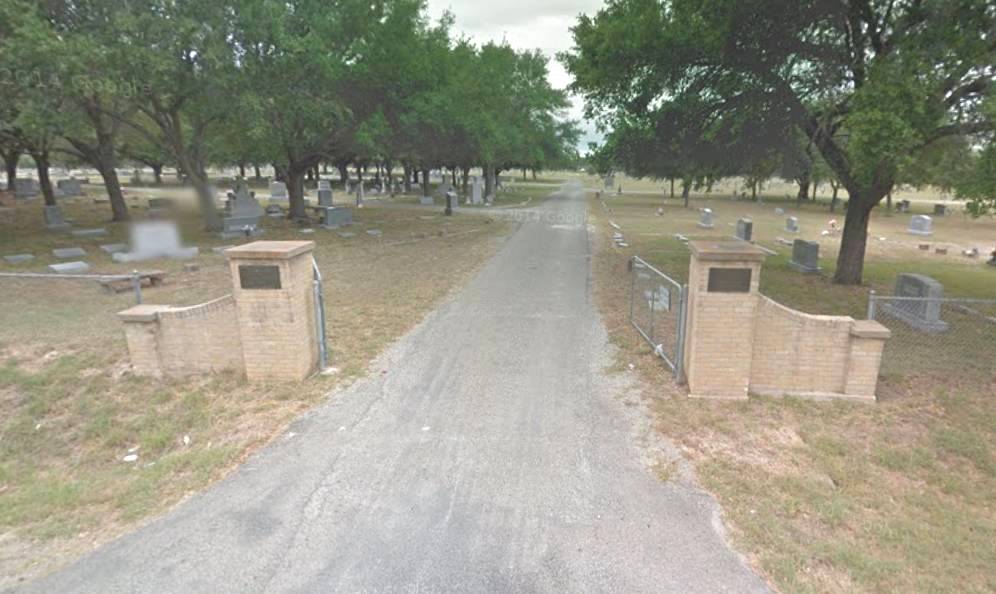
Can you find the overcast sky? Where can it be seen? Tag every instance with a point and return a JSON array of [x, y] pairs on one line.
[[535, 24]]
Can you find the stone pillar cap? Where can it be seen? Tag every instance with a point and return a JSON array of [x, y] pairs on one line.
[[270, 250], [726, 250], [870, 329], [143, 313]]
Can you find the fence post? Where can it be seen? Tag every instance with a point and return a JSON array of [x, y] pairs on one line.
[[871, 304], [136, 285]]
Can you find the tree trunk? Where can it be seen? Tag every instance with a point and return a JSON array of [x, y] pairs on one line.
[[257, 172], [425, 182], [686, 187], [489, 180], [10, 159], [453, 174], [753, 191], [157, 171], [672, 187], [343, 175], [524, 172], [803, 191], [465, 175], [835, 187], [851, 259], [42, 164], [119, 210], [816, 184], [359, 173], [242, 169], [534, 175], [295, 192], [888, 201], [408, 177]]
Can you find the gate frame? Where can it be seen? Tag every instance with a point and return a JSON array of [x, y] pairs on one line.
[[677, 366]]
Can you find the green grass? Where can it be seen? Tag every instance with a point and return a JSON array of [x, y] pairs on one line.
[[833, 496]]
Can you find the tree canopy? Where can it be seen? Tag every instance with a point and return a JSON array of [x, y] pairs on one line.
[[871, 84]]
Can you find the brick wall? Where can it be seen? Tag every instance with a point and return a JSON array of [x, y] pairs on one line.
[[177, 341], [738, 343], [798, 353]]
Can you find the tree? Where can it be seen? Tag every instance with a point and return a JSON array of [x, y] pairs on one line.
[[895, 76]]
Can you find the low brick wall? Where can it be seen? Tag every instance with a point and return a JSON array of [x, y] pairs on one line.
[[175, 341]]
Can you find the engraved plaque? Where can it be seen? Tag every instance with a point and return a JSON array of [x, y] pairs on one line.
[[259, 277], [729, 280]]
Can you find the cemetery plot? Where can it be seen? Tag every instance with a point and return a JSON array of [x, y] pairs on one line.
[[817, 492], [63, 361]]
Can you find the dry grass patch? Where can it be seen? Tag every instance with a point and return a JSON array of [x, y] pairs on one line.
[[71, 411], [827, 497]]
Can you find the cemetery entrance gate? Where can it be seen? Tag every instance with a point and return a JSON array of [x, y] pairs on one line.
[[657, 309]]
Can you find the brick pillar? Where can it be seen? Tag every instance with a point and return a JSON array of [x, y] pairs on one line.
[[867, 342], [141, 324], [719, 327], [273, 290]]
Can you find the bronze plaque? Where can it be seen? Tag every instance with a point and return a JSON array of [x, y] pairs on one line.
[[729, 280], [259, 277]]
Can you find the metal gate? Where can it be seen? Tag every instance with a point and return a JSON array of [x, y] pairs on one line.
[[657, 306]]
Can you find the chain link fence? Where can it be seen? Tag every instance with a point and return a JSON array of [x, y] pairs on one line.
[[948, 336], [657, 311]]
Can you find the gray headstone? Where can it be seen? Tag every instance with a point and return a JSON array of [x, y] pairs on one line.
[[18, 258], [805, 256], [477, 191], [324, 184], [359, 193], [163, 203], [745, 229], [66, 253], [443, 189], [25, 188], [100, 232], [921, 225], [70, 188], [240, 227], [114, 248], [154, 239], [792, 224], [779, 211], [426, 200], [923, 308], [70, 268], [705, 218], [274, 210], [940, 210], [903, 206], [335, 217], [278, 191], [54, 218], [324, 195]]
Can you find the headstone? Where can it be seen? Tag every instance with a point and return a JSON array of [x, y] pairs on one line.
[[921, 225], [324, 195], [278, 191], [66, 253], [705, 218], [70, 268], [359, 193], [923, 310], [100, 232], [426, 200], [940, 210], [54, 219], [154, 239], [451, 202], [745, 229], [335, 217], [114, 248], [345, 234], [70, 188], [903, 206], [18, 258], [162, 203], [792, 224], [274, 211], [805, 256], [25, 188], [477, 191], [779, 211], [244, 214], [375, 232], [324, 184]]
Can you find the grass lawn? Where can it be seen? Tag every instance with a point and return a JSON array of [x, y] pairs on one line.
[[830, 497], [71, 411]]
